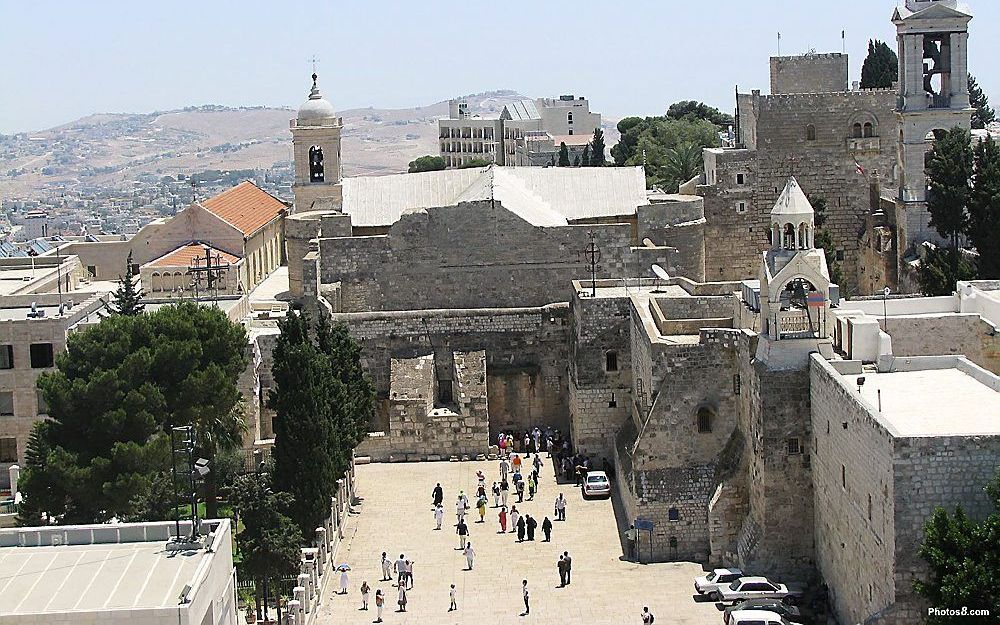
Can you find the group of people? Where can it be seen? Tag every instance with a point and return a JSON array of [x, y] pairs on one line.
[[536, 440]]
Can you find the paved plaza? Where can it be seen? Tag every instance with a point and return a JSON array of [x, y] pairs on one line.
[[396, 517]]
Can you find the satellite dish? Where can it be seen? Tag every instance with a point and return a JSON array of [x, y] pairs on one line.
[[648, 242], [660, 272]]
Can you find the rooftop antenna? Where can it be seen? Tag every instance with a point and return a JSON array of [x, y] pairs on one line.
[[779, 43], [843, 42], [661, 274]]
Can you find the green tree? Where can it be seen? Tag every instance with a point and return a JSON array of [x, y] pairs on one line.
[[597, 148], [984, 209], [127, 300], [824, 240], [700, 110], [563, 155], [426, 163], [476, 162], [115, 393], [939, 271], [656, 142], [270, 541], [629, 129], [36, 452], [881, 66], [962, 555], [950, 169], [984, 113], [585, 159], [357, 406], [682, 163]]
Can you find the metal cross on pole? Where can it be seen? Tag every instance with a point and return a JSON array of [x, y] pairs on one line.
[[208, 270], [593, 256]]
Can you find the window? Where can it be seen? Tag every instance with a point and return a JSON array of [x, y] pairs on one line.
[[6, 356], [92, 271], [843, 477], [810, 133], [135, 269], [869, 506], [7, 404], [840, 255], [8, 450], [612, 403], [856, 131], [793, 446], [705, 415], [316, 164], [869, 130], [43, 406], [41, 355], [569, 117], [673, 514], [571, 130], [741, 207], [741, 178], [611, 361]]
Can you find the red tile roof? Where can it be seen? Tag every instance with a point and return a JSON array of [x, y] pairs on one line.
[[184, 256], [246, 207]]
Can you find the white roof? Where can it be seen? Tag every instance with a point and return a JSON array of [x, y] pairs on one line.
[[792, 201], [942, 8], [522, 110], [549, 196]]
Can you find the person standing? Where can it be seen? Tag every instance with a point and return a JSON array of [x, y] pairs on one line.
[[438, 495], [460, 508], [379, 604], [343, 581], [496, 495], [569, 567], [503, 520], [530, 524], [560, 508], [631, 536], [438, 516], [463, 534], [537, 464], [503, 446], [469, 554], [504, 491], [561, 565], [402, 598], [520, 491], [524, 593], [386, 568], [547, 529], [400, 567], [451, 595], [520, 529], [532, 485], [515, 463], [647, 616], [365, 589], [515, 516], [408, 578], [481, 506]]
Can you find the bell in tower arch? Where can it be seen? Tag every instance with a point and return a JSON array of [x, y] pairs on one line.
[[316, 164]]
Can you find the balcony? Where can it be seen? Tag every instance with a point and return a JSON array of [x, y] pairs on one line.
[[863, 144]]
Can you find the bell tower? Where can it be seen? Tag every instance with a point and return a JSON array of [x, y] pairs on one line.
[[932, 38], [316, 147]]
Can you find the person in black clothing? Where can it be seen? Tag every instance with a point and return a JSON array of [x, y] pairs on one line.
[[438, 495], [547, 529], [531, 524], [520, 530], [520, 491], [569, 567]]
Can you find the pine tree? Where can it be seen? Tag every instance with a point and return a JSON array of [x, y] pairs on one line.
[[563, 155], [127, 300], [984, 209], [984, 113], [354, 411], [881, 66], [950, 172], [585, 159], [597, 149], [36, 479]]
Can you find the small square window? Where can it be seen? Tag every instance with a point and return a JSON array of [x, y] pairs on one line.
[[793, 446], [42, 356], [8, 450], [611, 361], [673, 514], [741, 207], [840, 255], [741, 179], [6, 356]]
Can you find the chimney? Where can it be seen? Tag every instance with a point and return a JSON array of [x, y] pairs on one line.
[[875, 192]]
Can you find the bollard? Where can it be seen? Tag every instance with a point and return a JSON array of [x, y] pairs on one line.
[[293, 613]]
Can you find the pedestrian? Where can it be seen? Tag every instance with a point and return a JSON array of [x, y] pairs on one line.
[[503, 520], [560, 508], [504, 491], [438, 495], [379, 604], [530, 524], [408, 577], [438, 516], [503, 446], [647, 616], [402, 598], [469, 554], [547, 529], [569, 567], [400, 568], [496, 495], [386, 568], [520, 529], [343, 581], [515, 462], [463, 534], [524, 593], [527, 443], [531, 487], [481, 506], [520, 491], [365, 589], [480, 491], [481, 478], [515, 516], [451, 595], [561, 565], [504, 468], [460, 508], [536, 436], [631, 536], [510, 444], [537, 463]]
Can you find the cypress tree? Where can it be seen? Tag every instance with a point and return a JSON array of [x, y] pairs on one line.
[[984, 209], [984, 113], [563, 155], [597, 149], [950, 172], [881, 66], [585, 159]]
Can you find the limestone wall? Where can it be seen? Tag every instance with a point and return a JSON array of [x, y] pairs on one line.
[[809, 73], [950, 333]]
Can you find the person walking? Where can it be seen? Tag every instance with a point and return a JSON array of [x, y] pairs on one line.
[[524, 594], [451, 595], [400, 569], [503, 520], [438, 516], [515, 516], [515, 463], [503, 446], [343, 581], [569, 567], [481, 506], [504, 491], [560, 508], [520, 529], [520, 491], [631, 536], [561, 565], [460, 507], [547, 530], [408, 578], [496, 495], [532, 485], [470, 554], [510, 444], [647, 616], [402, 598], [530, 524], [463, 534], [438, 494], [365, 589], [386, 568], [379, 604], [537, 463]]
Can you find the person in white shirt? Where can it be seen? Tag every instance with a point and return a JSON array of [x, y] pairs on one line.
[[469, 554], [386, 568], [343, 582], [514, 516], [460, 508], [560, 508], [400, 570], [451, 595], [438, 515]]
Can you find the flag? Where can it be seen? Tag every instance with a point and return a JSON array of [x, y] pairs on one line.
[[861, 170], [815, 299]]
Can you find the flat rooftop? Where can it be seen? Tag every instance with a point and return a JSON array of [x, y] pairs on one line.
[[933, 402]]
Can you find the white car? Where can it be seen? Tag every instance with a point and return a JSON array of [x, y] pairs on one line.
[[708, 584], [596, 484], [753, 588], [758, 617]]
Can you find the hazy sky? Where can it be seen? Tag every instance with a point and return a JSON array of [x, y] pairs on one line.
[[60, 60]]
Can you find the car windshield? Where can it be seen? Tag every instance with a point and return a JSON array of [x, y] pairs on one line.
[[735, 585], [597, 478]]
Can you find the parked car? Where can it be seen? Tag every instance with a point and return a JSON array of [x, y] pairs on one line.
[[759, 617], [769, 605], [754, 588], [707, 584], [596, 484]]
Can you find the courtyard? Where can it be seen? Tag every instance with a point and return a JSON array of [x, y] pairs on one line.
[[395, 516]]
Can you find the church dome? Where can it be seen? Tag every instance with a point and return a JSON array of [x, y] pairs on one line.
[[316, 111]]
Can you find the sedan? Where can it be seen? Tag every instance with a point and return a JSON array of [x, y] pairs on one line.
[[596, 484], [769, 605]]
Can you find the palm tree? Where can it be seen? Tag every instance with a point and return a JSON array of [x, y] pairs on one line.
[[216, 434], [682, 163]]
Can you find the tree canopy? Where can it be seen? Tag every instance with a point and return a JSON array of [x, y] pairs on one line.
[[984, 113], [115, 393], [881, 66], [669, 148], [563, 155], [476, 162], [127, 299], [699, 110], [426, 163], [595, 157], [984, 209]]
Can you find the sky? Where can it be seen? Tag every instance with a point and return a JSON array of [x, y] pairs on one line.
[[61, 60]]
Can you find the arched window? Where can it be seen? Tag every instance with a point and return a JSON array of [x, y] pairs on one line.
[[856, 131], [810, 133], [569, 117], [788, 240], [869, 130], [316, 164], [155, 283], [705, 417]]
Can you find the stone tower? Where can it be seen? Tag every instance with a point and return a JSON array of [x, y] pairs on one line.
[[316, 146], [932, 38]]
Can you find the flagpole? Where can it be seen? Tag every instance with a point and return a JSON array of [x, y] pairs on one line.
[[779, 43]]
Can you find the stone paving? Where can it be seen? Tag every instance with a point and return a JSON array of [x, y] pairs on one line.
[[395, 516]]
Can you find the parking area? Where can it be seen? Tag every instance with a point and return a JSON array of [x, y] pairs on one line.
[[395, 516]]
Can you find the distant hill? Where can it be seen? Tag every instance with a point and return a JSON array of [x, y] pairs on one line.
[[109, 149]]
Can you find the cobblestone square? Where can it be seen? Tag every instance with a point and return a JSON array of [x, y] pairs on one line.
[[395, 516]]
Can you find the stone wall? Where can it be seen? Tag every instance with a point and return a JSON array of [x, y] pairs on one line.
[[734, 238], [676, 221], [961, 334], [809, 73]]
